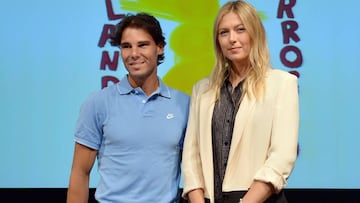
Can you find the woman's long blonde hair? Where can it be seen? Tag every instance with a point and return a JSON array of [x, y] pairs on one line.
[[259, 57]]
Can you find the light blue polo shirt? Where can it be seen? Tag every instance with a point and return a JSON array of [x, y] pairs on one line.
[[139, 140]]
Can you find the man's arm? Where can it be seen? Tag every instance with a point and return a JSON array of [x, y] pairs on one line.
[[83, 162]]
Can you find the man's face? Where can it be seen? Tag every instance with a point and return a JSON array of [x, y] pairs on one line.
[[139, 53]]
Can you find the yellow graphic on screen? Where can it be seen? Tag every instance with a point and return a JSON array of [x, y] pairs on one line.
[[191, 41]]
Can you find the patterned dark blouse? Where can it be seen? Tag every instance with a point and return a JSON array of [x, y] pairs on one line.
[[222, 129]]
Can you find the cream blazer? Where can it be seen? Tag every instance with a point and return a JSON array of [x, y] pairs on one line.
[[264, 141]]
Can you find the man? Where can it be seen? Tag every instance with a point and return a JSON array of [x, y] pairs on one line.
[[134, 128]]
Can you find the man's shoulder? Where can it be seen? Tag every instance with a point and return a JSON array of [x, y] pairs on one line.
[[177, 92], [102, 94]]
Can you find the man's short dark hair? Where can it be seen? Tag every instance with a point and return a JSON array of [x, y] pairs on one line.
[[143, 21]]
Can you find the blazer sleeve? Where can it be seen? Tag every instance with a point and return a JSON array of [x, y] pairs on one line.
[[191, 161], [284, 136]]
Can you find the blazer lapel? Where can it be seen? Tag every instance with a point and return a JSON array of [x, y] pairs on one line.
[[207, 102], [206, 110], [241, 118]]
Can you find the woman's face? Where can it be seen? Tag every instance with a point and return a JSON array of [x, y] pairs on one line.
[[233, 38]]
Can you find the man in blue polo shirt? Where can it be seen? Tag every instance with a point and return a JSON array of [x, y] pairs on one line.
[[134, 128]]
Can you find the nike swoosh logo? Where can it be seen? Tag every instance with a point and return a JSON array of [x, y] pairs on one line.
[[169, 116]]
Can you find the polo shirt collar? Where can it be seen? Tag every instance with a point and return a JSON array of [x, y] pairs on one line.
[[124, 87]]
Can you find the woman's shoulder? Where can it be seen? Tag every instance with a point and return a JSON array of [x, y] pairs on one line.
[[278, 79], [202, 85], [278, 74]]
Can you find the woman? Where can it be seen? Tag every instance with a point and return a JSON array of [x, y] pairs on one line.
[[241, 139]]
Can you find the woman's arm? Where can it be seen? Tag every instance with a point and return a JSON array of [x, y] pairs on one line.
[[191, 161], [196, 196], [259, 192]]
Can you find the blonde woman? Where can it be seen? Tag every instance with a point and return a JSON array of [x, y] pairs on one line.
[[242, 134]]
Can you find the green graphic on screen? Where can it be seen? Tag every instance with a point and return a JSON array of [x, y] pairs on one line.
[[191, 41]]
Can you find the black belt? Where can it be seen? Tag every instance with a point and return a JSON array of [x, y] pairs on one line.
[[234, 197]]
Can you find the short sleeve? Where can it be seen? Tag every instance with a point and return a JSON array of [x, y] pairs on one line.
[[88, 129]]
